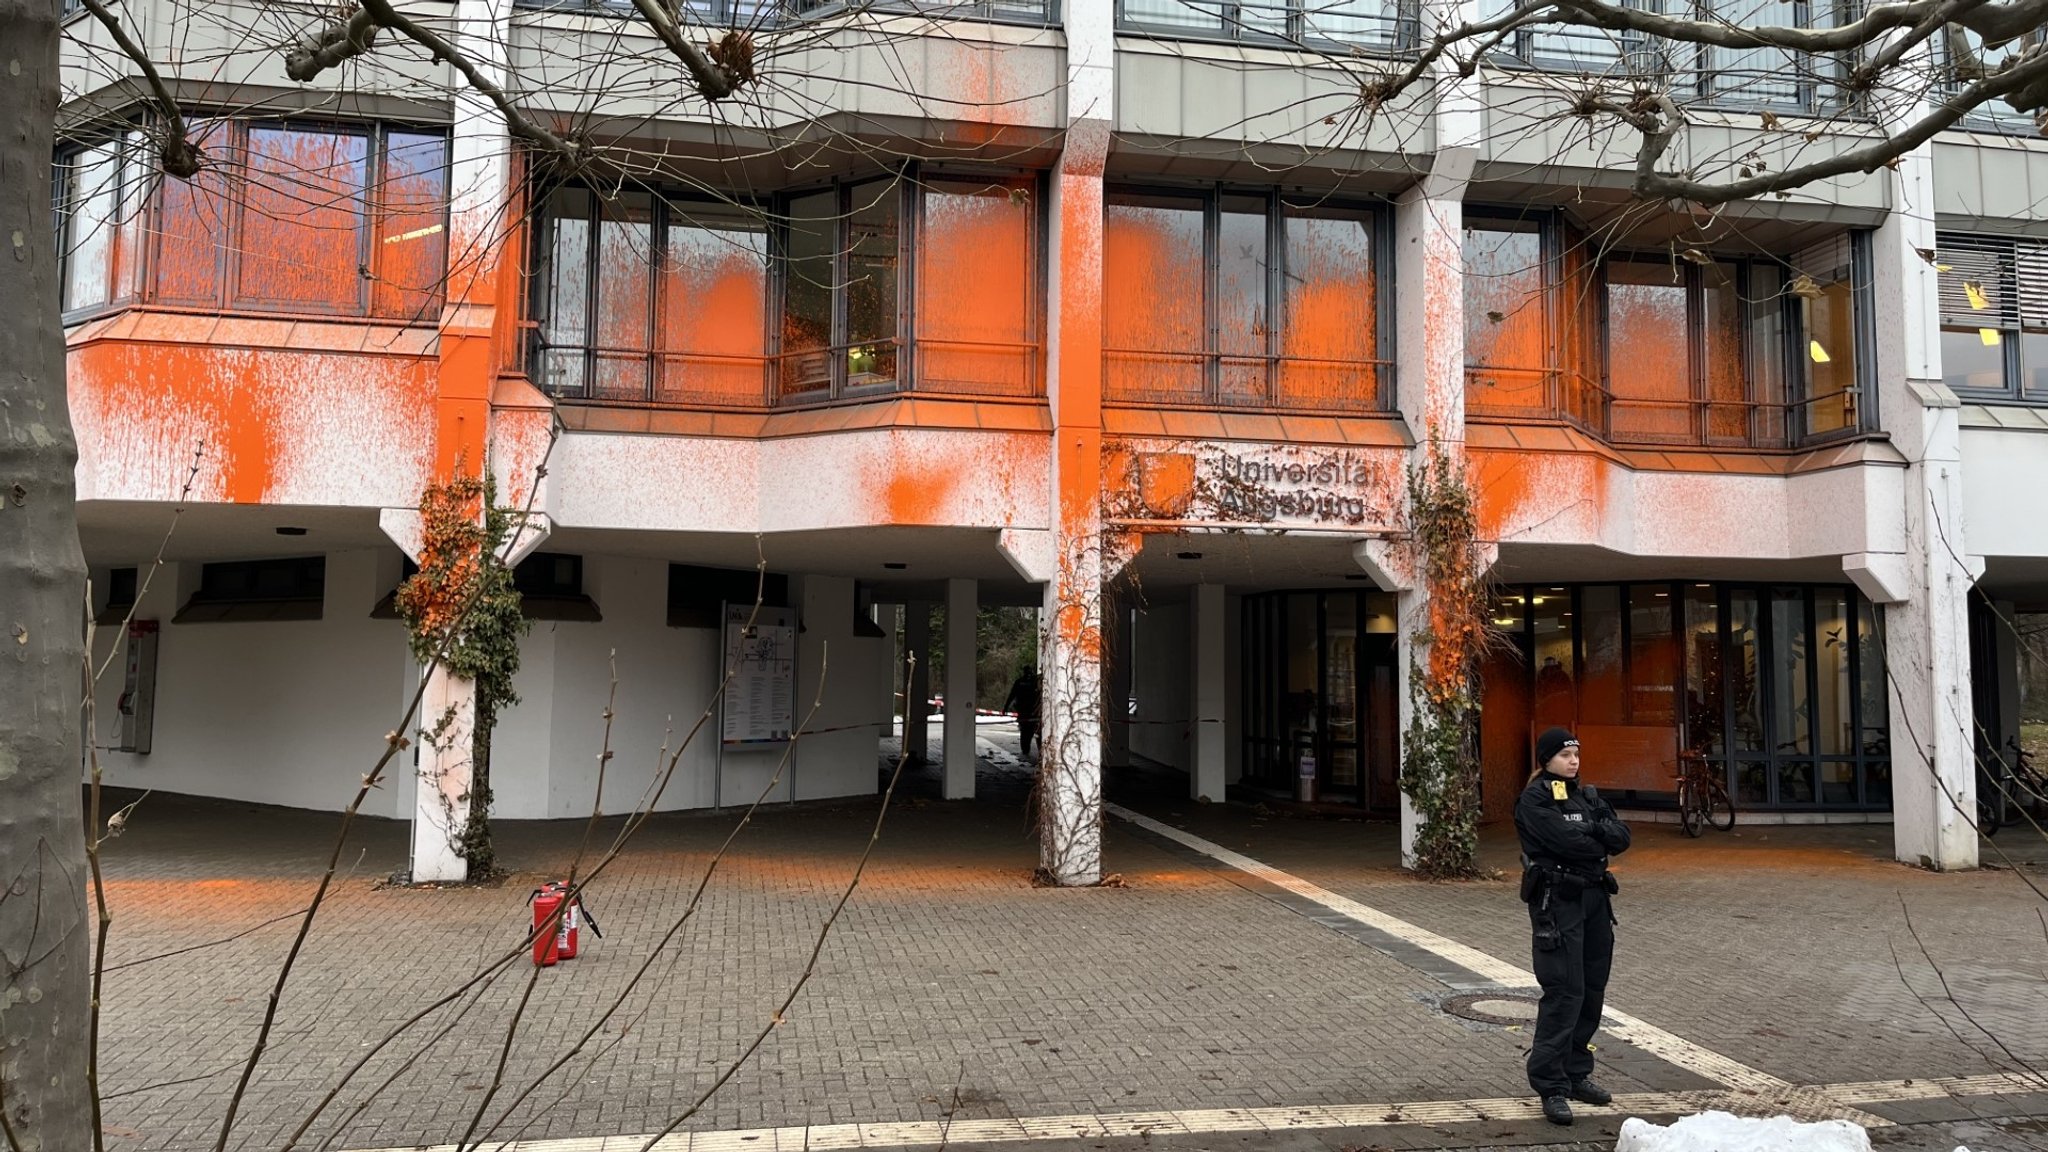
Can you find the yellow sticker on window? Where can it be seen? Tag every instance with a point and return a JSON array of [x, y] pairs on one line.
[[1557, 789]]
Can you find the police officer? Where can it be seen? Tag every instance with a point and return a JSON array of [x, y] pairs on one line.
[[1567, 834]]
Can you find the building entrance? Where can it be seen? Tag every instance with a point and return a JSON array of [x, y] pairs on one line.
[[1319, 690]]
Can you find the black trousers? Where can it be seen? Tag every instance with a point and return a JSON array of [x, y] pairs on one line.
[[1027, 734], [1574, 980]]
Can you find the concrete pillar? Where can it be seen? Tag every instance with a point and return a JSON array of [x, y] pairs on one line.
[[1927, 637], [1207, 745], [441, 804], [962, 656], [1429, 225], [917, 691], [1070, 772]]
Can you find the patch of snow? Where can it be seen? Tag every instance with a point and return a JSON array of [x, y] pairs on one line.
[[1723, 1132]]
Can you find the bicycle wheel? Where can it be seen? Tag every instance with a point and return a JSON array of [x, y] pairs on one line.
[[1994, 806], [1692, 814], [1720, 808]]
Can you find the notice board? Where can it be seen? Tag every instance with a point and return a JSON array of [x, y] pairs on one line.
[[760, 658]]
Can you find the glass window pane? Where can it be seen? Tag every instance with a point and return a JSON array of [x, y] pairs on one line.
[[1872, 685], [1557, 696], [1174, 14], [193, 223], [1652, 657], [1649, 360], [1795, 782], [565, 287], [808, 279], [1241, 264], [92, 180], [1507, 327], [302, 220], [1340, 622], [1744, 670], [1727, 374], [871, 278], [1601, 691], [714, 301], [1754, 75], [1152, 298], [1831, 706], [1351, 21], [1332, 321], [1877, 785], [1837, 782], [2034, 358], [625, 276], [1791, 709], [138, 176], [1752, 783], [1705, 728], [1973, 359], [976, 276], [1767, 352], [1830, 357], [412, 235], [1304, 661]]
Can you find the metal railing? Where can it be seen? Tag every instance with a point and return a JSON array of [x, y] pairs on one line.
[[774, 13], [1514, 395], [1152, 378], [638, 377]]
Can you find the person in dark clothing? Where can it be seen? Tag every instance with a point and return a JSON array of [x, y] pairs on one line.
[[1023, 704], [1567, 834]]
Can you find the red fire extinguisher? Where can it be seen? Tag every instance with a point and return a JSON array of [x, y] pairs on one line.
[[568, 934], [547, 938]]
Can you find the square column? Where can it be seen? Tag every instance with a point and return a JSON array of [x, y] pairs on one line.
[[917, 688], [962, 657], [1208, 748]]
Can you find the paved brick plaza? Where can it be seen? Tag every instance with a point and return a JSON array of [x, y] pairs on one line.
[[953, 987]]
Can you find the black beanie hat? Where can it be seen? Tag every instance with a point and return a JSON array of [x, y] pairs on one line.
[[1553, 741]]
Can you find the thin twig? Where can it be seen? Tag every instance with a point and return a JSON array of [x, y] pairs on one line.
[[179, 156], [254, 928]]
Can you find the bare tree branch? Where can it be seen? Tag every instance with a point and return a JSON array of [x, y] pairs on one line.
[[179, 156]]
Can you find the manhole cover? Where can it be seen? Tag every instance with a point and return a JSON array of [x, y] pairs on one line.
[[1504, 1008]]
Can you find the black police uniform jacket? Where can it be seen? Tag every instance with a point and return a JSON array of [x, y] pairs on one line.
[[1574, 834]]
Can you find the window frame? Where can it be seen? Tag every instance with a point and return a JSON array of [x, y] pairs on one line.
[[2011, 308], [908, 191], [1233, 27], [1275, 202], [229, 157]]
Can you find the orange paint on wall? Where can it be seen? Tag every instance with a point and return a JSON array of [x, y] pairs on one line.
[[918, 494]]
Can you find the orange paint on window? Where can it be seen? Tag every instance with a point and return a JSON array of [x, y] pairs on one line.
[[1332, 310], [302, 219], [714, 307], [975, 289], [1649, 353], [1152, 297], [410, 240]]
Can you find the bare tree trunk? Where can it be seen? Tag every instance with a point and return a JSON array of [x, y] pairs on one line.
[[45, 926]]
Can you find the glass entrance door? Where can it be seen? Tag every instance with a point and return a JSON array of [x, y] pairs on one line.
[[1319, 686]]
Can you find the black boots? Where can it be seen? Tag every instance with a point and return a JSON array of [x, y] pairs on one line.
[[1587, 1092], [1557, 1110]]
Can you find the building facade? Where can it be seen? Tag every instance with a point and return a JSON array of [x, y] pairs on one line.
[[1121, 309]]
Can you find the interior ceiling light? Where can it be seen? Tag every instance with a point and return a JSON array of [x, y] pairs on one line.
[[1187, 555], [1819, 354], [894, 565], [1978, 301], [290, 530], [1989, 336]]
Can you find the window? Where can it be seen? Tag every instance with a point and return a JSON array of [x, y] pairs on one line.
[[340, 220], [1241, 300], [1994, 316], [696, 596], [643, 298], [1529, 298], [1962, 58], [1830, 290], [1362, 23], [285, 589], [101, 191], [1695, 351], [1780, 688], [550, 586], [759, 15]]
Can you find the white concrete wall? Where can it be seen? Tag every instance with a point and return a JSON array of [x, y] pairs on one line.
[[290, 713], [1159, 678], [2003, 474], [294, 713]]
